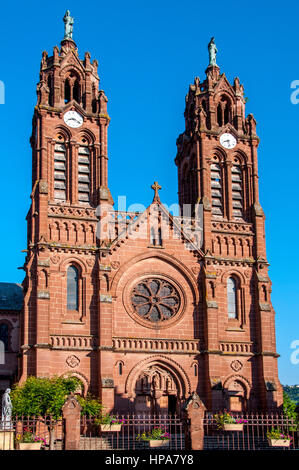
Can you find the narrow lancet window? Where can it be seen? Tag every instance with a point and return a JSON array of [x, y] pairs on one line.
[[72, 288], [232, 298]]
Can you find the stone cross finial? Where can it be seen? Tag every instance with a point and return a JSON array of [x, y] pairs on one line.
[[156, 187], [68, 25], [212, 52]]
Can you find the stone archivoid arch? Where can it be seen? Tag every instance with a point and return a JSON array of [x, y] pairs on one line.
[[160, 381], [229, 381], [237, 390], [84, 382], [168, 259], [164, 363]]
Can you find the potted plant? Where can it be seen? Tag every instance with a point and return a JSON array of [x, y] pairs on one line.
[[109, 423], [278, 439], [29, 441], [157, 437], [227, 422]]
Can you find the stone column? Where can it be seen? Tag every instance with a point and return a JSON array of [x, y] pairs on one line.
[[71, 412], [194, 414]]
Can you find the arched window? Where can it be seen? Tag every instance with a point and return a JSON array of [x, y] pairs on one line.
[[184, 180], [156, 237], [160, 240], [72, 88], [265, 295], [237, 190], [4, 335], [50, 101], [219, 115], [60, 172], [120, 368], [94, 102], [193, 182], [76, 91], [216, 189], [232, 307], [84, 174], [67, 91], [188, 186], [72, 288], [153, 240], [224, 111]]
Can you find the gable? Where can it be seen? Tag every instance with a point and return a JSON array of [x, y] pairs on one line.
[[155, 226]]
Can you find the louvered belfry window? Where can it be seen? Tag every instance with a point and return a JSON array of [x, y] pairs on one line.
[[216, 189], [84, 174], [72, 288], [237, 191], [232, 298], [60, 172]]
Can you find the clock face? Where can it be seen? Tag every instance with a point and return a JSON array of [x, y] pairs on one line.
[[228, 141], [73, 119]]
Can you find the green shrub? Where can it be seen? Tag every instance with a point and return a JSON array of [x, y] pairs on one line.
[[41, 396]]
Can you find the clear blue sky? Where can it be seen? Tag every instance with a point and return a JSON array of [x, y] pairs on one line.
[[149, 53]]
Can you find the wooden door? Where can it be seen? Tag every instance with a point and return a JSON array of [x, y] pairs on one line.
[[163, 402], [236, 403], [143, 404]]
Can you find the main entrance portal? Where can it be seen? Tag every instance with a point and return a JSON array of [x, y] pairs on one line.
[[156, 391]]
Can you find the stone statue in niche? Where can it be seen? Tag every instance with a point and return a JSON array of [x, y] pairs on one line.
[[156, 382], [168, 384]]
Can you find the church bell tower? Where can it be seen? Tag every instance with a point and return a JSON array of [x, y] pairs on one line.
[[218, 168], [69, 181]]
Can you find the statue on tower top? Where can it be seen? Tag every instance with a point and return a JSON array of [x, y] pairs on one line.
[[68, 25], [212, 52]]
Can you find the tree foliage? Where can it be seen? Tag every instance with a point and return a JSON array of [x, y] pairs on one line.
[[40, 396], [289, 407], [90, 406], [292, 391]]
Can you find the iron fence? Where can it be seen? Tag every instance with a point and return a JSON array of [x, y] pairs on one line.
[[254, 433], [21, 429], [93, 438]]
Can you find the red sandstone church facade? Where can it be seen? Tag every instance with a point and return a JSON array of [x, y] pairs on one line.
[[143, 321]]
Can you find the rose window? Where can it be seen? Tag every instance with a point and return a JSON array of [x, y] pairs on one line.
[[155, 300]]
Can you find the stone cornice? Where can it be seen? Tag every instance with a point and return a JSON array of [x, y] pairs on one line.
[[42, 346], [216, 260], [42, 108], [268, 353], [70, 248], [70, 212]]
